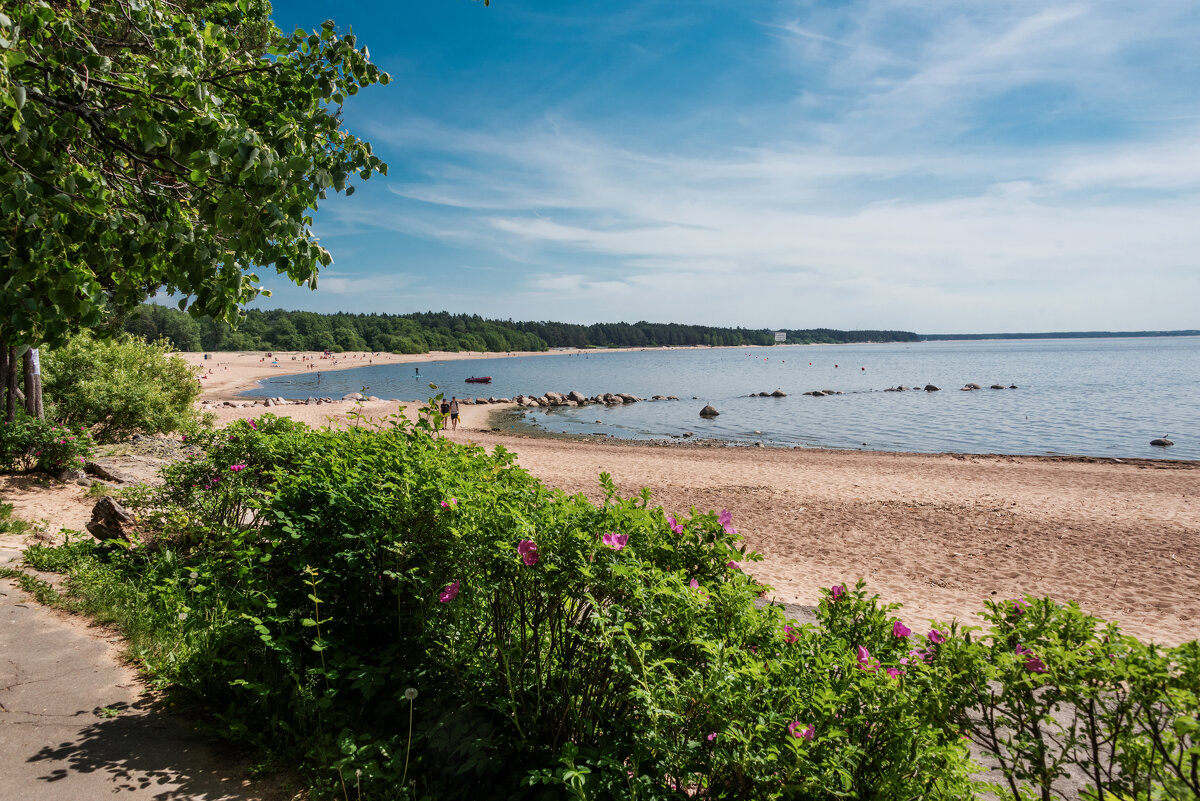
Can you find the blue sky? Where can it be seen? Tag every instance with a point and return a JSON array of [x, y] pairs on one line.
[[924, 165]]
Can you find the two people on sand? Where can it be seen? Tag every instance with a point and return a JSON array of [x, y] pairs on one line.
[[450, 408]]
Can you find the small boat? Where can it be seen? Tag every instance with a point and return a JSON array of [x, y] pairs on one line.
[[483, 379]]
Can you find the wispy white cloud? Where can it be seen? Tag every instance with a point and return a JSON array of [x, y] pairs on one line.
[[933, 166]]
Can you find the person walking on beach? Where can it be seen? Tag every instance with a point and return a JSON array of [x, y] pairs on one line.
[[454, 413], [444, 408]]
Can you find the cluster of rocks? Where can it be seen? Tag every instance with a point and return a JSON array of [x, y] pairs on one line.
[[972, 387], [575, 398], [779, 393], [268, 402], [820, 393]]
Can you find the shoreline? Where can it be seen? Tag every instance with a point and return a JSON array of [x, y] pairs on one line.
[[939, 533], [228, 374]]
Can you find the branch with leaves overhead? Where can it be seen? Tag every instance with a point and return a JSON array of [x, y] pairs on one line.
[[153, 145]]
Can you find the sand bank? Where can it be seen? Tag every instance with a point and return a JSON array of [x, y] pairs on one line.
[[939, 533], [224, 375]]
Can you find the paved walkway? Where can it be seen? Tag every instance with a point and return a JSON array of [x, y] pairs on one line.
[[76, 725]]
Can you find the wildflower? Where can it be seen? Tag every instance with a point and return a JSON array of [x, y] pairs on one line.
[[864, 660], [733, 565], [449, 503], [1032, 663], [936, 637], [615, 541], [252, 425], [915, 655], [448, 593], [895, 673], [237, 468], [675, 526], [695, 585], [725, 518], [900, 630], [789, 633], [1018, 606], [183, 616], [794, 729], [711, 736], [838, 590], [528, 552], [410, 693]]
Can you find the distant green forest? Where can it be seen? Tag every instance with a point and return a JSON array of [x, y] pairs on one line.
[[423, 332], [1062, 335]]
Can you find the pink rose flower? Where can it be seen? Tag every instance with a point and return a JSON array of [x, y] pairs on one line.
[[795, 729], [615, 541], [528, 551], [448, 593]]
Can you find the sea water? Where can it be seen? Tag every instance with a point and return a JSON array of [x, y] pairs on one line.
[[1094, 397]]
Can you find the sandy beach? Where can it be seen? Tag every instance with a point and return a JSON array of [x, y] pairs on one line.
[[938, 533]]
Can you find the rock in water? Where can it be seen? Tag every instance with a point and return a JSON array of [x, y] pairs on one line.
[[709, 411], [932, 388], [1162, 442]]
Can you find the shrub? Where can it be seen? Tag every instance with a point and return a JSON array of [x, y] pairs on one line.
[[424, 619], [119, 387], [31, 443]]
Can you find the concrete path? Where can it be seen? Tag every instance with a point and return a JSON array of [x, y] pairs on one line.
[[76, 724]]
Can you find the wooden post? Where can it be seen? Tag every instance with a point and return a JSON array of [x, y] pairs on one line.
[[10, 381]]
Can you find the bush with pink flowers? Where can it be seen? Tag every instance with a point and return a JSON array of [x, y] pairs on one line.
[[413, 618], [35, 444]]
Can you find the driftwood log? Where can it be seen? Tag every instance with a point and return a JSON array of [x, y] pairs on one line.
[[110, 521]]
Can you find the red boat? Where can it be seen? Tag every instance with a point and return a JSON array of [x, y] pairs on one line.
[[483, 379]]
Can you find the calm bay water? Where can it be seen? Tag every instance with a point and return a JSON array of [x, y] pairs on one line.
[[1094, 397]]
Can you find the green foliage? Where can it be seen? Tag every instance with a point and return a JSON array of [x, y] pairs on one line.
[[31, 443], [120, 386], [150, 145], [420, 618], [1054, 694], [421, 333]]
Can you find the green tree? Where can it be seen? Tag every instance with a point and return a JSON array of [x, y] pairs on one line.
[[148, 145], [120, 386]]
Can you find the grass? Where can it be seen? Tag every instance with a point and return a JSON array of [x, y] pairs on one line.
[[10, 524], [39, 589]]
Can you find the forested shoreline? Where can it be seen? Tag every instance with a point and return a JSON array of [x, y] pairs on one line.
[[429, 331]]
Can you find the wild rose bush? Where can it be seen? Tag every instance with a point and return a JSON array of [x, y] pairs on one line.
[[36, 444], [424, 619]]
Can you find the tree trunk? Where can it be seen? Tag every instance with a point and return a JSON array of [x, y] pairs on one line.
[[33, 384], [3, 375], [10, 382]]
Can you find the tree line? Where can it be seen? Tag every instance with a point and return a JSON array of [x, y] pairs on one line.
[[428, 331]]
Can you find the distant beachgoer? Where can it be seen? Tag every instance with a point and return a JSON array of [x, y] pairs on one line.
[[444, 408], [454, 413]]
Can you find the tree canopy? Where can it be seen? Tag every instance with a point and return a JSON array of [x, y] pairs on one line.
[[148, 145], [422, 332]]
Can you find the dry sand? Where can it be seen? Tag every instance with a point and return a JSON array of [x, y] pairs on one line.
[[938, 533]]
